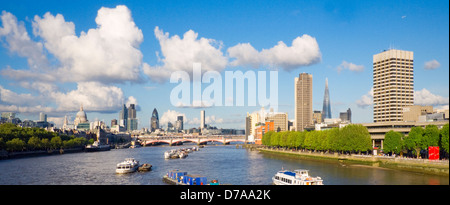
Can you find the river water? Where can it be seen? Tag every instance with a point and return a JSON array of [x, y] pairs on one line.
[[228, 164]]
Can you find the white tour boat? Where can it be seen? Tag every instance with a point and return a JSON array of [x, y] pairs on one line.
[[298, 177], [127, 166]]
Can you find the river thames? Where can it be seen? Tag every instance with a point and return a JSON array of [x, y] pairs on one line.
[[228, 164]]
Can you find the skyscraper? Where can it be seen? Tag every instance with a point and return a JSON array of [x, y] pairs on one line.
[[202, 119], [393, 84], [303, 101], [123, 117], [346, 116], [326, 110], [154, 121], [179, 123], [42, 117], [132, 121]]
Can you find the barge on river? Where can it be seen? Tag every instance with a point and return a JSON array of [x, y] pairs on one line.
[[178, 177]]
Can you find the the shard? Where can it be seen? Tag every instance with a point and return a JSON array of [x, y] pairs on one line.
[[326, 111]]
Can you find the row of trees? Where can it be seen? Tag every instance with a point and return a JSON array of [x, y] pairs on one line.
[[351, 138], [417, 140], [13, 138]]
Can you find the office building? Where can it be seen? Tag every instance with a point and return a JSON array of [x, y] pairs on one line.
[[154, 121], [42, 117], [346, 116], [123, 117], [326, 110], [317, 117], [393, 84], [279, 120], [303, 101], [113, 122], [413, 113], [132, 123], [202, 119], [179, 123]]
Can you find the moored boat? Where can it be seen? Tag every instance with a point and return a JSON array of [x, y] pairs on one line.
[[178, 177], [298, 177], [96, 147], [145, 167]]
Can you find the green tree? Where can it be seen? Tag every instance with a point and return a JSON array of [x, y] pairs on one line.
[[56, 142], [300, 139], [2, 143], [415, 140], [393, 142], [444, 138], [431, 136], [332, 139], [45, 144], [275, 139], [266, 138], [15, 144], [34, 143]]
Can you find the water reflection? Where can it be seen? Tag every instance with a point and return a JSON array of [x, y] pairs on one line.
[[228, 164]]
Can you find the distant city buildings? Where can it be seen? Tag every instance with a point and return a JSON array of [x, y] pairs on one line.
[[393, 84], [303, 101], [179, 123], [346, 116]]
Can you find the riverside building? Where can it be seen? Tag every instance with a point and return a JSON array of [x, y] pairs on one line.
[[393, 84], [303, 101]]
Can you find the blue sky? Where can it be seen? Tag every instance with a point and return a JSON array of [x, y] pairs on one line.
[[348, 34]]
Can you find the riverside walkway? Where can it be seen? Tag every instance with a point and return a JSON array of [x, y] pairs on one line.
[[439, 167]]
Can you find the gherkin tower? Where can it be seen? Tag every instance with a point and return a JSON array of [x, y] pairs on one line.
[[326, 111]]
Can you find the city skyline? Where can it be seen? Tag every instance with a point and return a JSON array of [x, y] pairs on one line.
[[40, 73]]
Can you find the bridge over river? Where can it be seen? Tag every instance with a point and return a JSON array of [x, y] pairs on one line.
[[203, 139]]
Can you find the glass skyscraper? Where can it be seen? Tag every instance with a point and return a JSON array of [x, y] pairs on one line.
[[326, 110]]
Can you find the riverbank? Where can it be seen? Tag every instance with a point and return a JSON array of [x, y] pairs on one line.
[[437, 167], [12, 155]]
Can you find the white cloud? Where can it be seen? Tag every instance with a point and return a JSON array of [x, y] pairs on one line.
[[108, 54], [18, 41], [303, 51], [171, 116], [425, 97], [432, 64], [350, 66], [181, 53], [93, 96], [10, 97], [93, 60], [365, 100]]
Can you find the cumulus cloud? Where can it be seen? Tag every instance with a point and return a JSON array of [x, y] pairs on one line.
[[108, 53], [18, 41], [350, 66], [94, 60], [365, 100], [171, 116], [304, 51], [425, 97], [432, 64], [179, 54]]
